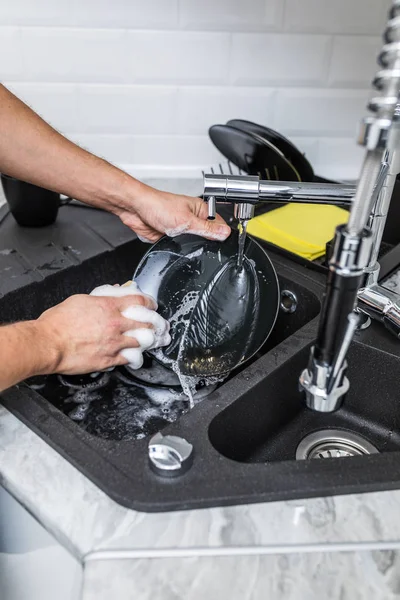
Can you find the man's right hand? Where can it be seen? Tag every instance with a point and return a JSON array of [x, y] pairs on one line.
[[86, 333]]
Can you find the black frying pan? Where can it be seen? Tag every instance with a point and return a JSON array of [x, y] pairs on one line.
[[219, 317], [289, 150]]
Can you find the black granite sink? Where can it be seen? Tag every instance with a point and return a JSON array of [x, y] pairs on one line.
[[268, 423], [245, 433]]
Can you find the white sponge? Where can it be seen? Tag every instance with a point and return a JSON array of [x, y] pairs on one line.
[[146, 338]]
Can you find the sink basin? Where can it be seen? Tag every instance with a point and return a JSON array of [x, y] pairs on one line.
[[247, 432], [268, 423], [299, 306]]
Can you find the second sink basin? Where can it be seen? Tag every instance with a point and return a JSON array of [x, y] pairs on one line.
[[269, 422]]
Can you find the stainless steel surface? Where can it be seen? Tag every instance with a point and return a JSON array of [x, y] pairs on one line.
[[374, 132], [231, 187], [333, 443], [364, 198], [387, 80], [382, 305], [320, 193], [339, 360], [376, 129], [381, 178], [288, 301], [365, 321], [384, 191], [170, 455], [326, 384], [350, 252], [212, 208], [249, 188], [320, 394], [244, 211]]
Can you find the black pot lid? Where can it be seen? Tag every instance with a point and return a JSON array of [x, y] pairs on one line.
[[252, 154], [290, 151], [219, 317]]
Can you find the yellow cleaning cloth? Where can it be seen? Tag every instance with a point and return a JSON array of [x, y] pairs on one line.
[[302, 229]]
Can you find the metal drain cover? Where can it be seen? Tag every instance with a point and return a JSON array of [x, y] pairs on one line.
[[333, 443]]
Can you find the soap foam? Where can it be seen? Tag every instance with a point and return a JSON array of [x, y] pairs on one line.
[[132, 411], [160, 332], [212, 235], [195, 253], [185, 228], [80, 412], [175, 231], [146, 338], [144, 239], [115, 291], [156, 374], [134, 356]]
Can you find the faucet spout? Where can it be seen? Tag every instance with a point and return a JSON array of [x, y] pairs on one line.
[[249, 189]]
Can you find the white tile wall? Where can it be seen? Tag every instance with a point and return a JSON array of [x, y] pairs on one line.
[[135, 14], [55, 102], [279, 59], [141, 81], [232, 15], [177, 57], [127, 109], [353, 60], [91, 13], [332, 152], [10, 38], [68, 54], [336, 16], [200, 107], [319, 112]]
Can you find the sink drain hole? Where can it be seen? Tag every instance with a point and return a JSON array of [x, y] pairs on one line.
[[333, 443]]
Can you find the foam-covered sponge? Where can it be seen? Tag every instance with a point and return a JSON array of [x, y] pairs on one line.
[[146, 338], [302, 229]]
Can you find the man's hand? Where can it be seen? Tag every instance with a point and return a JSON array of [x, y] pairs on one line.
[[81, 335], [153, 213], [86, 333]]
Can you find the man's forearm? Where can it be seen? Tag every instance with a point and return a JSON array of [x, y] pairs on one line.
[[33, 151], [24, 352]]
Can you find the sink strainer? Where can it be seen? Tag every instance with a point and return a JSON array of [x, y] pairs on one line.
[[333, 443]]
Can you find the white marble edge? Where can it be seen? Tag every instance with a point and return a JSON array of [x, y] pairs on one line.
[[85, 520], [344, 575], [88, 522]]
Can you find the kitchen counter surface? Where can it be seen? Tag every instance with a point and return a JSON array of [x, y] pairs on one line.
[[94, 528], [85, 520]]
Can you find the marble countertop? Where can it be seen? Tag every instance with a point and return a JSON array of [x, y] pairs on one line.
[[94, 527]]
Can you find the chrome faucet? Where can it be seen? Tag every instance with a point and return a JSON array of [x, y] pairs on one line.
[[245, 191], [352, 291]]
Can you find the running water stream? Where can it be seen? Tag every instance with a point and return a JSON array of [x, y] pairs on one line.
[[242, 228]]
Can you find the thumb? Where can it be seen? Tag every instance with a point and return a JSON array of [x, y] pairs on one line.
[[211, 230]]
